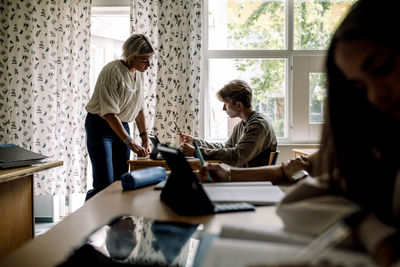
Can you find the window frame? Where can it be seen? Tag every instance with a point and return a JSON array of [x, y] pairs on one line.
[[297, 126]]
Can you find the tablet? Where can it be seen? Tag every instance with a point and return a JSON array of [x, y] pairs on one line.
[[183, 192]]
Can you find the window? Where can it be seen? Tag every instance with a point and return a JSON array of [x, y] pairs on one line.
[[317, 96], [109, 30], [278, 47]]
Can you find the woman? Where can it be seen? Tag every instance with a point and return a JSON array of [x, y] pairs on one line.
[[116, 101], [361, 138]]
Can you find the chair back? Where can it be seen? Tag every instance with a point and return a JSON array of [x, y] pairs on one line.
[[273, 157]]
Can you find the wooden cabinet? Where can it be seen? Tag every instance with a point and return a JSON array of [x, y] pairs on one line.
[[17, 206]]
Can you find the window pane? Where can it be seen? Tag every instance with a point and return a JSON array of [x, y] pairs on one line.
[[267, 79], [317, 97], [241, 24], [316, 20], [107, 34]]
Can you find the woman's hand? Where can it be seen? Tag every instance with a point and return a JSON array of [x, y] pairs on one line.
[[217, 172], [146, 145], [139, 150], [186, 139], [188, 150]]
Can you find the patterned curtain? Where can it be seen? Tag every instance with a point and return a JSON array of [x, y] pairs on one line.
[[173, 81], [44, 83]]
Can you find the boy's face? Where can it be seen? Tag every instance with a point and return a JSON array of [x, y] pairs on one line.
[[233, 110]]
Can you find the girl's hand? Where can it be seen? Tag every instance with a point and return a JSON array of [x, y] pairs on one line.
[[218, 173], [188, 150]]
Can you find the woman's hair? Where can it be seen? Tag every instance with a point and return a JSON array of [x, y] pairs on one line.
[[236, 90], [359, 142], [136, 45]]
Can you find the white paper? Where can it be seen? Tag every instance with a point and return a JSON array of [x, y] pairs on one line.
[[258, 195]]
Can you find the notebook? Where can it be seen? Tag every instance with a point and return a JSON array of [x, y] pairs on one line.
[[14, 156], [257, 193], [183, 192]]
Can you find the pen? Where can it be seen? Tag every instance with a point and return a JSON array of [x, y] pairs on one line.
[[200, 156], [176, 125]]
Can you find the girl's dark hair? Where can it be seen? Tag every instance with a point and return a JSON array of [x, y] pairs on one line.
[[360, 144]]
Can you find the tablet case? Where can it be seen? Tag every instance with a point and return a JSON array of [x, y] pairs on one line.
[[183, 192]]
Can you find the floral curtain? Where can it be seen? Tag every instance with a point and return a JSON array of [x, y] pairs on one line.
[[173, 81], [44, 83]]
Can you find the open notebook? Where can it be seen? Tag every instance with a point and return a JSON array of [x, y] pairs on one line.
[[257, 193]]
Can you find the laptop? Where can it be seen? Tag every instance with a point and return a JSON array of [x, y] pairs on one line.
[[12, 156], [155, 153], [184, 193]]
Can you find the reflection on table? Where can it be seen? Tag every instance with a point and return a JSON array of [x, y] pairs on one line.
[[54, 246]]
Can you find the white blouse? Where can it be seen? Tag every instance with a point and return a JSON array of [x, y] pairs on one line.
[[117, 92]]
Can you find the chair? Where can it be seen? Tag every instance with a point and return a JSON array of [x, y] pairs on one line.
[[272, 157]]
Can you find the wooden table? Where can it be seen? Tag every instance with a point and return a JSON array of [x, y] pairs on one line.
[[54, 246], [303, 151], [17, 220], [142, 163]]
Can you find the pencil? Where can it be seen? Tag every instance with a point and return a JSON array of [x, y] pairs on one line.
[[200, 156], [176, 125]]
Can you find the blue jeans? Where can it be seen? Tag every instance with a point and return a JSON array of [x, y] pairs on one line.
[[107, 152]]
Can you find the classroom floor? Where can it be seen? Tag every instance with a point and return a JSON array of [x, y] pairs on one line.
[[41, 228]]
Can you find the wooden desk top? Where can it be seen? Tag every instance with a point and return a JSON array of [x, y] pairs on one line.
[[304, 151], [15, 173], [53, 247]]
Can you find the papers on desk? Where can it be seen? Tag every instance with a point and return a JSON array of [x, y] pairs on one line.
[[238, 246], [257, 193]]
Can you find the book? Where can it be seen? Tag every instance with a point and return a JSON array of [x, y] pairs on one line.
[[257, 193], [239, 245], [12, 156]]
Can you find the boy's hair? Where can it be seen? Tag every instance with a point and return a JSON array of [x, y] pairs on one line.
[[236, 90], [136, 45]]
